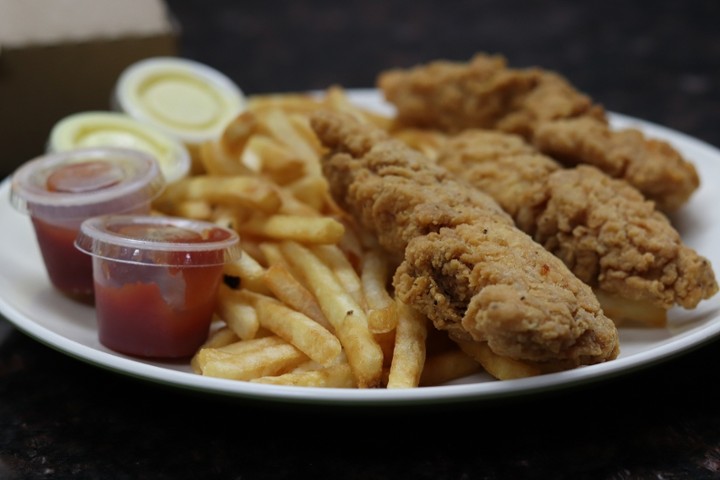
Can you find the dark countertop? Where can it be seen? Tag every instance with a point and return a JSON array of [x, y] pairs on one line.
[[61, 418]]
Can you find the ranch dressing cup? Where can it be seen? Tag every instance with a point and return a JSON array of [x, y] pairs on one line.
[[113, 129], [188, 100], [156, 281], [59, 191]]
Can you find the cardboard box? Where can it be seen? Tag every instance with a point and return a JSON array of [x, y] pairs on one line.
[[59, 57]]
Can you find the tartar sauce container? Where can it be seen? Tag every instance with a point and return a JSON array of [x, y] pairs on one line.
[[114, 129], [187, 99], [60, 190], [156, 281]]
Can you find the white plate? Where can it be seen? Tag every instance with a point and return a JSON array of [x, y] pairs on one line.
[[29, 302]]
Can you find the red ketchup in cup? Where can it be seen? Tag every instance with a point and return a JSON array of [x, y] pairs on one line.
[[156, 281], [60, 190]]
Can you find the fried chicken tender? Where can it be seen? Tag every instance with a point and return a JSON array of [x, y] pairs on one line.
[[601, 227], [546, 110], [465, 264], [652, 166]]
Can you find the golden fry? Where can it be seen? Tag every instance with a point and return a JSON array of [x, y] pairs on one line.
[[297, 329], [294, 227], [249, 271], [272, 360], [286, 288], [234, 308], [409, 352], [334, 376], [449, 365], [343, 270], [347, 318], [249, 191]]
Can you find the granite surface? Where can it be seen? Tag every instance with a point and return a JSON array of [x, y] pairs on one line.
[[61, 418]]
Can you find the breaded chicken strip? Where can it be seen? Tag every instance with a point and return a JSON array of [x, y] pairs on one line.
[[546, 110], [466, 266], [652, 166], [602, 228]]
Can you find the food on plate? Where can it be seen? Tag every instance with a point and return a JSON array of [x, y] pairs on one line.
[[60, 190], [464, 263], [156, 280], [604, 230], [545, 109], [368, 278], [309, 278]]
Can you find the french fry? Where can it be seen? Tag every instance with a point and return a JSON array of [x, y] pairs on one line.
[[217, 338], [447, 366], [253, 345], [333, 376], [409, 353], [195, 209], [343, 270], [216, 160], [236, 136], [502, 368], [294, 227], [312, 191], [347, 318], [296, 328], [235, 309], [276, 160], [383, 315], [277, 124], [272, 360], [249, 191], [249, 271], [625, 312], [286, 288]]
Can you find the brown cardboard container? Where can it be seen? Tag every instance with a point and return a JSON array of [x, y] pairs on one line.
[[59, 57]]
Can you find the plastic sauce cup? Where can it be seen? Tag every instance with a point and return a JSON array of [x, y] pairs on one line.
[[156, 281], [114, 129], [59, 191], [189, 100]]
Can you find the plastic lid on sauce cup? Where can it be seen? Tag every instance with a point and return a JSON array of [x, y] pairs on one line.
[[156, 240], [114, 129], [86, 182], [187, 99], [155, 280]]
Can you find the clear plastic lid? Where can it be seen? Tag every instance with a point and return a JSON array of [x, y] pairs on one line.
[[187, 99], [114, 129], [86, 182], [158, 240]]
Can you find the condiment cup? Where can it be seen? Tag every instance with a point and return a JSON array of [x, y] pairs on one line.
[[60, 190], [114, 129], [156, 280], [187, 99]]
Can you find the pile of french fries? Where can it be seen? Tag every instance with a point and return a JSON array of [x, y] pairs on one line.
[[309, 302]]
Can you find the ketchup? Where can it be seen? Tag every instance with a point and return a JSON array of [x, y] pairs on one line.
[[60, 190], [156, 282], [69, 269], [136, 318]]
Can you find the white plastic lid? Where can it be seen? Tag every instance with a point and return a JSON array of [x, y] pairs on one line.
[[158, 240], [125, 180], [114, 129], [187, 99]]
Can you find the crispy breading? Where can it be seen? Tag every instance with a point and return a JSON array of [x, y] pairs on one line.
[[654, 167], [544, 108], [603, 229], [466, 266]]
